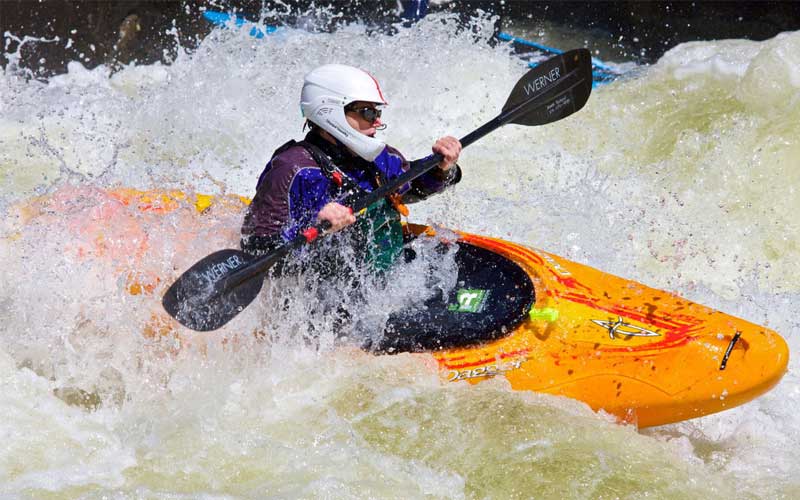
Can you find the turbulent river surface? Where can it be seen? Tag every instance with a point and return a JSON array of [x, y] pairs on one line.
[[682, 175]]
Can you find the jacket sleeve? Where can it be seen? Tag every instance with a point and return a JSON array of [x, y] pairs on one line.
[[308, 193], [289, 194], [432, 182]]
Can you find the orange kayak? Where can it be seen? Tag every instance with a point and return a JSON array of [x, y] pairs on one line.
[[644, 355], [551, 325]]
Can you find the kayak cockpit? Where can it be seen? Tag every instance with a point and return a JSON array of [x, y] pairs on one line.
[[492, 296]]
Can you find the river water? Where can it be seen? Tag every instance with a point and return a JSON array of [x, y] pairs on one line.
[[681, 175]]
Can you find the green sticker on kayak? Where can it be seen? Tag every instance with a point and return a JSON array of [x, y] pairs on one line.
[[471, 300]]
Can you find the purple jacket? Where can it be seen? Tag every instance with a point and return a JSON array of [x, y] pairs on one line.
[[293, 188]]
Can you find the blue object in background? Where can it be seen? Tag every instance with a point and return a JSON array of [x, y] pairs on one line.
[[601, 72], [414, 10], [223, 19]]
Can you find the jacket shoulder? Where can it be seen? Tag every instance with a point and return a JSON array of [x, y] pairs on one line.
[[293, 157]]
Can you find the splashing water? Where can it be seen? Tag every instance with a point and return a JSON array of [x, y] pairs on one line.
[[680, 177]]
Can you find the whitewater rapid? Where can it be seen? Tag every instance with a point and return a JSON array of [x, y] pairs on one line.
[[681, 175]]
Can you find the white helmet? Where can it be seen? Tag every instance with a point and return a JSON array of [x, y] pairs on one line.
[[327, 90]]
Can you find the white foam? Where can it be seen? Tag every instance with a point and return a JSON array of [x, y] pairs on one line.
[[681, 178]]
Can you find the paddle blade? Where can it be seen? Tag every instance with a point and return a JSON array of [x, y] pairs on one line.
[[552, 90], [203, 300]]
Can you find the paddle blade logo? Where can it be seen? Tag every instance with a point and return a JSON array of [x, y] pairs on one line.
[[543, 81], [218, 270], [470, 300]]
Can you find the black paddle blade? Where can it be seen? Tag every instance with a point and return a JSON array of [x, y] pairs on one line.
[[552, 90], [202, 300]]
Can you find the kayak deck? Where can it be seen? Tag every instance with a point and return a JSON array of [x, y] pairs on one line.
[[644, 355]]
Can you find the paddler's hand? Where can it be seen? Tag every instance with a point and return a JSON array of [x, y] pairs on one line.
[[338, 215], [450, 148]]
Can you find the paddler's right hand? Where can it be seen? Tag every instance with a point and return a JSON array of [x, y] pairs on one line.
[[338, 215]]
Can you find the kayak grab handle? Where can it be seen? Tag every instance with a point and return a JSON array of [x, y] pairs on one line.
[[729, 349], [546, 313]]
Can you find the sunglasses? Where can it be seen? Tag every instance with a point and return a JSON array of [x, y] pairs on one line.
[[366, 112]]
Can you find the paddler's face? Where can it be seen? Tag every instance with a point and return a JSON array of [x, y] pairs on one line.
[[364, 117]]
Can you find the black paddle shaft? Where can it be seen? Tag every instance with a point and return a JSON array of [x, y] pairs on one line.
[[219, 286]]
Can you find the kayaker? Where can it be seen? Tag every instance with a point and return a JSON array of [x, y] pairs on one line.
[[339, 159]]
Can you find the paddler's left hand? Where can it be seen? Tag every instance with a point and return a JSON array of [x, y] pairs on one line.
[[450, 148]]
